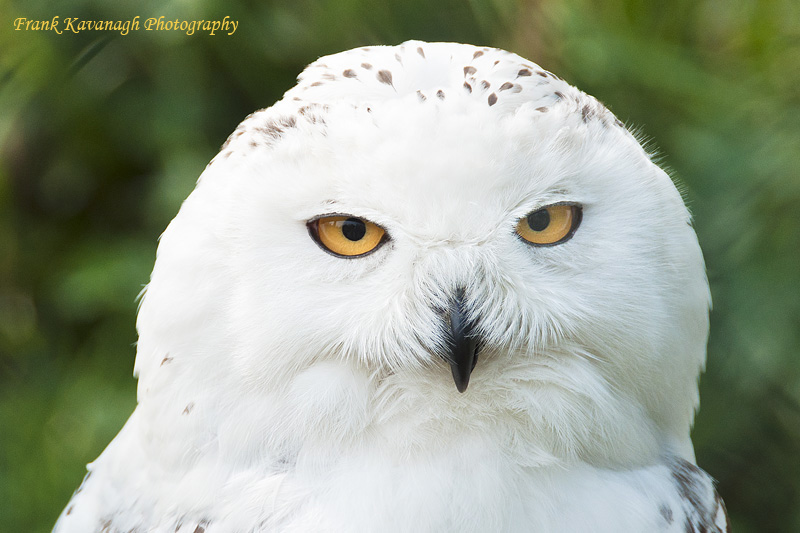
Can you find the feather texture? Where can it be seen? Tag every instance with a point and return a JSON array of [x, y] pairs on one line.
[[283, 388]]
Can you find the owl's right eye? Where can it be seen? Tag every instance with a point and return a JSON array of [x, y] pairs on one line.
[[346, 236], [550, 225]]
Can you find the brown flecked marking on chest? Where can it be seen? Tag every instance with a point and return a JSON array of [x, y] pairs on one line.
[[188, 408], [477, 54], [349, 73], [492, 99], [421, 52], [666, 513], [469, 70]]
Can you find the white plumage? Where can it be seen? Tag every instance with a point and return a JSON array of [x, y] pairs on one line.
[[285, 388]]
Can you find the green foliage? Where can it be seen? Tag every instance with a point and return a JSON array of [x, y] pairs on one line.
[[103, 135]]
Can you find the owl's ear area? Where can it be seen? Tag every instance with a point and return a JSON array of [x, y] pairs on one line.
[[346, 236]]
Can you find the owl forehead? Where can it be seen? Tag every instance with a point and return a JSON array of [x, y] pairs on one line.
[[429, 71], [396, 129], [431, 170]]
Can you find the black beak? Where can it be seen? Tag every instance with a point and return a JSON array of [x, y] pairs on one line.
[[463, 344]]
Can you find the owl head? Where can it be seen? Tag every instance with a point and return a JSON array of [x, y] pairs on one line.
[[440, 234]]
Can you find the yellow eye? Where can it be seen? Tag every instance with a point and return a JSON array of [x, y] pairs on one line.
[[550, 225], [346, 236]]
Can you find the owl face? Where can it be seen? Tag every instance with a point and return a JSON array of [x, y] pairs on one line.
[[435, 213]]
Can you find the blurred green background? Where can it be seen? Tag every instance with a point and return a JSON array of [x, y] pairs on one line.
[[103, 135]]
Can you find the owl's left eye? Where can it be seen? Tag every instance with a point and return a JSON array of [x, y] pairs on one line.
[[550, 225], [346, 236]]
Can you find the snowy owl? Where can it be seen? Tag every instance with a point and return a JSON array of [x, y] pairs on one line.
[[434, 288]]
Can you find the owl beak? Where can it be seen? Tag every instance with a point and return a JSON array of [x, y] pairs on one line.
[[463, 344]]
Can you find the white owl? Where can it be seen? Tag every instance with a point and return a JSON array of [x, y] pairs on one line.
[[435, 288]]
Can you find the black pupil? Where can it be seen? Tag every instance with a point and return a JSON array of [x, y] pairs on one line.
[[539, 220], [354, 229]]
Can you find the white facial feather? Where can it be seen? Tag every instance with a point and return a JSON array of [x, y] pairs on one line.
[[270, 367]]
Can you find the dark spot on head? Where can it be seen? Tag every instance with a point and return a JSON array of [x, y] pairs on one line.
[[586, 113], [542, 109], [349, 73], [69, 510], [328, 76], [296, 99], [316, 84], [421, 52], [495, 63], [523, 72], [199, 529], [492, 99], [541, 73], [166, 360], [366, 66], [506, 86], [440, 94], [485, 84], [421, 96], [477, 54], [468, 87], [558, 95], [188, 408], [384, 76], [469, 70], [253, 144], [227, 154], [366, 49]]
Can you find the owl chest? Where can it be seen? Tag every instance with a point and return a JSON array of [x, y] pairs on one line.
[[462, 493]]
